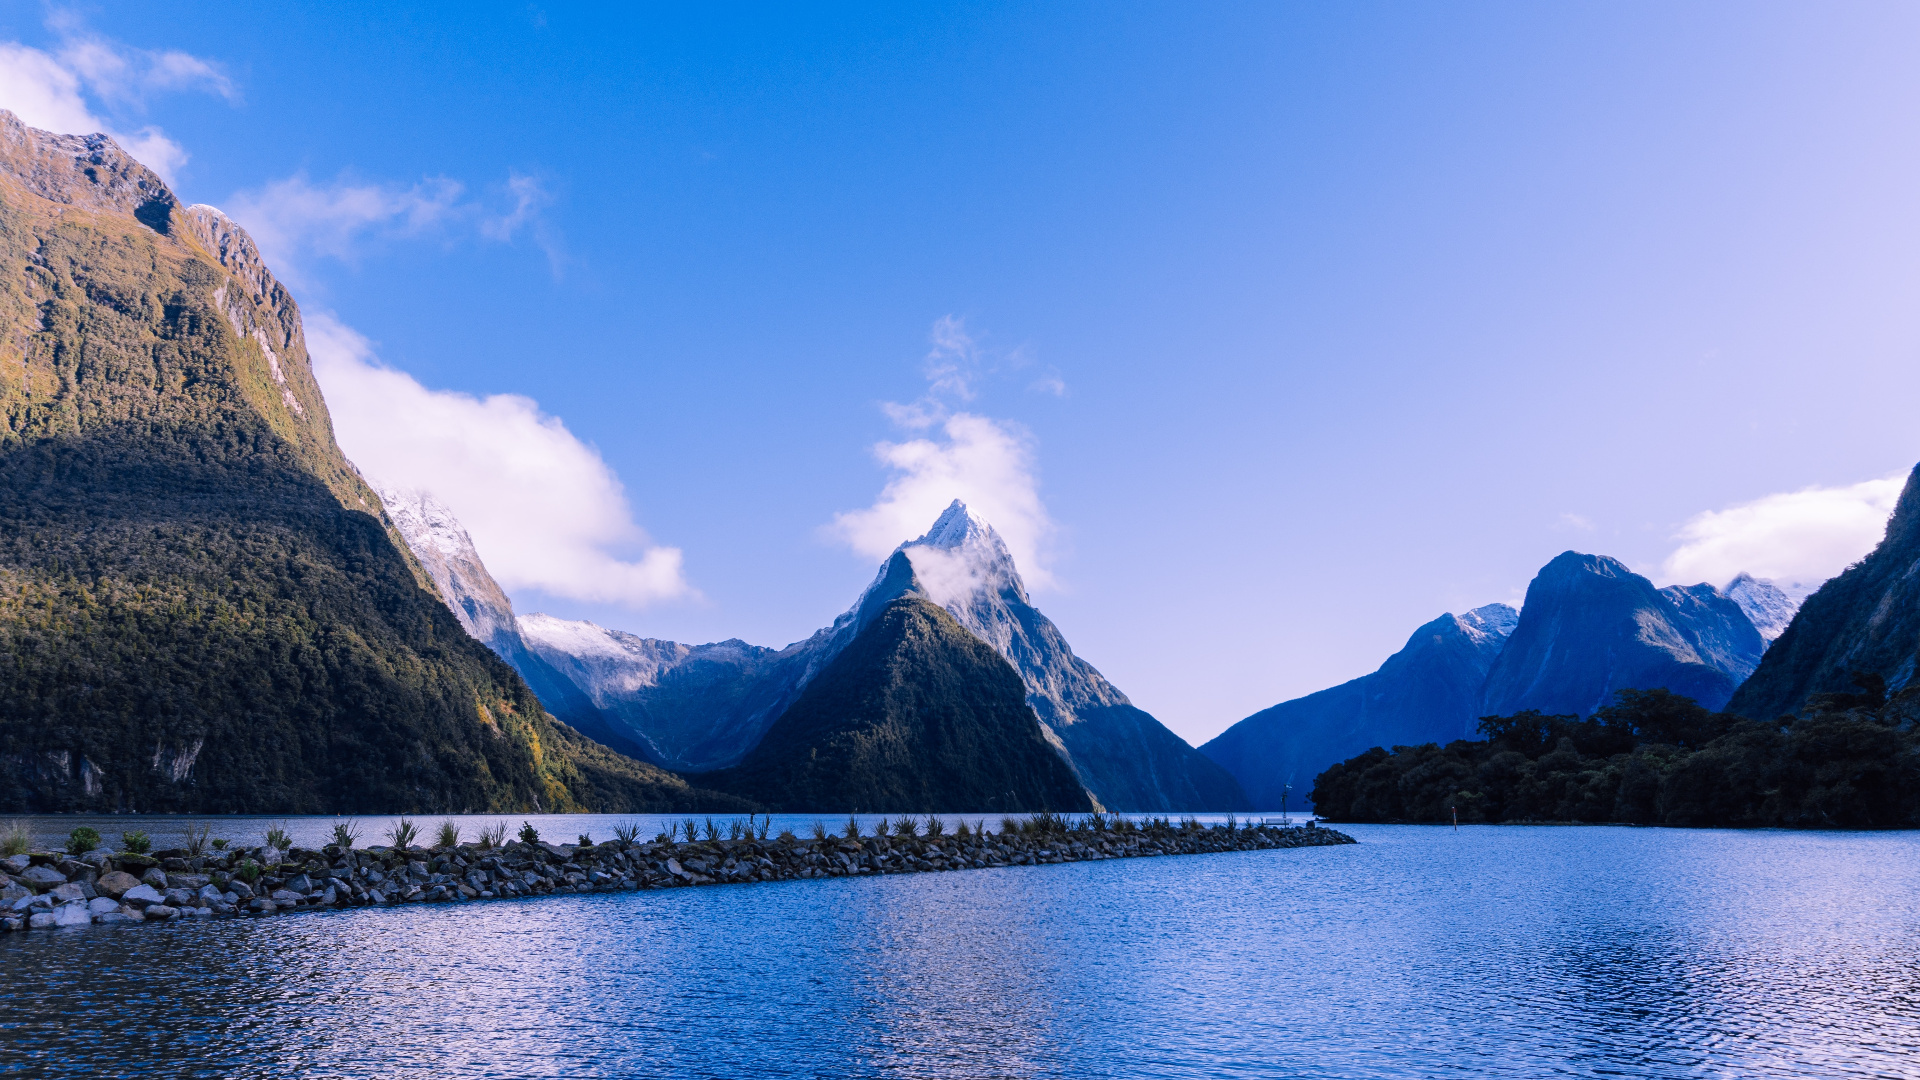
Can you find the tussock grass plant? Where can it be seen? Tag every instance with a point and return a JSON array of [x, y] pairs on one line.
[[935, 827], [403, 834], [734, 828], [1009, 826], [139, 843], [882, 828], [960, 831], [82, 840], [786, 836], [493, 836], [529, 834], [584, 841], [447, 835], [853, 827], [906, 827], [278, 838], [220, 843], [712, 830], [1232, 823], [664, 837], [16, 839], [627, 832], [690, 830], [347, 833], [820, 830]]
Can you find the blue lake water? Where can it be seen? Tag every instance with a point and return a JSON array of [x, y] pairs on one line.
[[1420, 952]]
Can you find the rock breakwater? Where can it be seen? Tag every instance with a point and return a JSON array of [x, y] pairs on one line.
[[44, 889]]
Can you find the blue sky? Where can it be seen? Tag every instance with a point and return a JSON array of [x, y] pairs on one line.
[[1268, 332]]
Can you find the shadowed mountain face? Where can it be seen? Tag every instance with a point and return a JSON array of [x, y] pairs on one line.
[[1429, 691], [1591, 626], [201, 607], [1866, 620], [914, 715]]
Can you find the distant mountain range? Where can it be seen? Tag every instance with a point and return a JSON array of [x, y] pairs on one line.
[[701, 708], [1589, 627]]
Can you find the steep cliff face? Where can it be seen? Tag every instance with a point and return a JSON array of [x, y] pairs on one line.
[[914, 715], [201, 606], [1766, 606], [1429, 691], [446, 554], [1866, 620], [1590, 626]]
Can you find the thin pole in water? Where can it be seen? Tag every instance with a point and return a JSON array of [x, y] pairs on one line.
[[1456, 817]]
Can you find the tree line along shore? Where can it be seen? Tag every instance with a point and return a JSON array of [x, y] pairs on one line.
[[96, 886]]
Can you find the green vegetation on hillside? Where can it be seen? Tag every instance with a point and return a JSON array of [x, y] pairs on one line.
[[1654, 757], [199, 608], [916, 715]]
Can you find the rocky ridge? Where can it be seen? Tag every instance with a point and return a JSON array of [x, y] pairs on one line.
[[51, 890]]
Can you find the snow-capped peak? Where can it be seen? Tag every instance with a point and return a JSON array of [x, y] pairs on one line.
[[956, 526], [425, 521], [1492, 620], [1767, 607], [960, 557]]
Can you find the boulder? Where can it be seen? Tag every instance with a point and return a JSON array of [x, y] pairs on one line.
[[240, 889], [134, 863], [141, 896], [179, 898], [72, 890], [301, 884], [12, 892], [160, 911], [72, 915], [262, 907], [106, 917], [115, 883], [16, 864], [71, 868], [200, 913], [287, 897], [155, 877], [189, 882], [208, 895], [42, 878], [40, 919], [100, 905], [98, 858]]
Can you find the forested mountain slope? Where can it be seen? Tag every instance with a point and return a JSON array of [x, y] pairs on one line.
[[201, 606]]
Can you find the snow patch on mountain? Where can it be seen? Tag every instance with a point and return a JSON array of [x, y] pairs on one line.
[[1766, 604]]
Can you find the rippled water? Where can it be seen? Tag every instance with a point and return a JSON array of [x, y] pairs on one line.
[[1509, 952]]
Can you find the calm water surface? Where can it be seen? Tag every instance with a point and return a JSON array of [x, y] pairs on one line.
[[1506, 952]]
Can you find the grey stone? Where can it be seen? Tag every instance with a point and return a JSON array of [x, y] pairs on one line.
[[200, 913], [42, 877], [179, 898], [240, 889], [160, 911], [14, 891], [155, 877], [300, 884], [41, 919], [102, 904], [287, 897], [71, 890], [141, 895], [209, 895], [97, 858], [107, 917], [72, 915], [16, 864], [189, 882], [132, 913]]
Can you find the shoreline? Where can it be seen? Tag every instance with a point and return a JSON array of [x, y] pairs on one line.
[[47, 889]]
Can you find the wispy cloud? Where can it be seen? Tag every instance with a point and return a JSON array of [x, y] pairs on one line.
[[989, 464], [544, 509], [68, 89], [1797, 538], [296, 220]]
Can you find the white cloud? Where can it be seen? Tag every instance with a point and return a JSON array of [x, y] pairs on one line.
[[294, 220], [52, 91], [544, 510], [1798, 538]]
